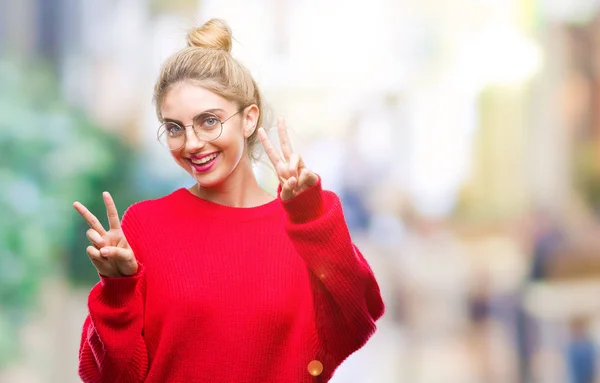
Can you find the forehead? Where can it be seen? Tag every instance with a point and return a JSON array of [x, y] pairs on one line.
[[185, 100]]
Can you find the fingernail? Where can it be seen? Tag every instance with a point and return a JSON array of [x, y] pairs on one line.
[[104, 251]]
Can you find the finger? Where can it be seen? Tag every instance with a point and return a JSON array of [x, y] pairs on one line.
[[313, 178], [111, 211], [283, 171], [127, 264], [117, 253], [287, 188], [94, 253], [284, 139], [302, 180], [293, 165], [89, 218], [269, 149], [307, 179], [95, 238]]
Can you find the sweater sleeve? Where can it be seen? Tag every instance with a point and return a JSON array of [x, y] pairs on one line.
[[346, 295], [112, 348]]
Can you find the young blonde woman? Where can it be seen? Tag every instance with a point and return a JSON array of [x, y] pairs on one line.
[[221, 282]]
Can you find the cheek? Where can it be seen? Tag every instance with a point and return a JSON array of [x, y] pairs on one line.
[[178, 157], [234, 141]]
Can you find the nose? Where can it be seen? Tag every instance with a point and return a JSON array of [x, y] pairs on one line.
[[192, 142]]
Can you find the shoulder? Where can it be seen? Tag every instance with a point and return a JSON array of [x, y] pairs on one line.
[[153, 207]]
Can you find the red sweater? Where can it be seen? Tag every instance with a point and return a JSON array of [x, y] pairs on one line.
[[231, 295]]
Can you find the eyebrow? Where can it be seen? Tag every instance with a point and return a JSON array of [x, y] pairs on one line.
[[212, 110]]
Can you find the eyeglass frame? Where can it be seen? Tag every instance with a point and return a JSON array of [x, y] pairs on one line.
[[222, 122]]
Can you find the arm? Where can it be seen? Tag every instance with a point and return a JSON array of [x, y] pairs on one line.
[[346, 295], [112, 348]]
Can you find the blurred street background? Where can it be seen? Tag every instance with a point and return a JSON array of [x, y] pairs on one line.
[[463, 137]]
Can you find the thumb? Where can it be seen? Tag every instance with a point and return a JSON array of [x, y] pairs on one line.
[[117, 253], [287, 188], [312, 179]]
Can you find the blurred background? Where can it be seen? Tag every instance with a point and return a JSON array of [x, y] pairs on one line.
[[463, 137]]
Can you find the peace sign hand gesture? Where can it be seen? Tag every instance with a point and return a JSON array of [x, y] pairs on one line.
[[293, 174], [110, 253]]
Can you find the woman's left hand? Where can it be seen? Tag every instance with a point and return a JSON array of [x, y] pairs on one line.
[[293, 174]]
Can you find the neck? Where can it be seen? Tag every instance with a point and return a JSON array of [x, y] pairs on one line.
[[240, 189]]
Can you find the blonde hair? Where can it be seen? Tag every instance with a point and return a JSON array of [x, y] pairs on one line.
[[207, 62]]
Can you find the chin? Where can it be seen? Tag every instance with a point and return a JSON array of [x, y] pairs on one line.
[[212, 178], [208, 180], [204, 183]]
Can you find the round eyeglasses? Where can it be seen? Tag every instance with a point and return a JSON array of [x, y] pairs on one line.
[[207, 126]]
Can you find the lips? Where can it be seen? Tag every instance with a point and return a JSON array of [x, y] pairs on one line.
[[204, 163], [204, 159]]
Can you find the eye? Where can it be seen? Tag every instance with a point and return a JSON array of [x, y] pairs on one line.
[[210, 122], [173, 129]]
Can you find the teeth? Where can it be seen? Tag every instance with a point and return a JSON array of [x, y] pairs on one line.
[[205, 159]]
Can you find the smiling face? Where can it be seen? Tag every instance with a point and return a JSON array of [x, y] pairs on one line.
[[209, 162]]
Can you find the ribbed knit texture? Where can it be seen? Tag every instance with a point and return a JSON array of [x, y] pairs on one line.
[[231, 295]]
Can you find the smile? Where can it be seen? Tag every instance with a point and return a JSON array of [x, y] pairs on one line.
[[204, 160], [204, 164]]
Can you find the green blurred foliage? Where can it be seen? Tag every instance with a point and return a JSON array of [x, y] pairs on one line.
[[51, 155]]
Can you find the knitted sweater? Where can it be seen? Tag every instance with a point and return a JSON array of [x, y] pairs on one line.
[[231, 295]]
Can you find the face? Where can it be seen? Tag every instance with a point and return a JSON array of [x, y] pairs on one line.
[[209, 162]]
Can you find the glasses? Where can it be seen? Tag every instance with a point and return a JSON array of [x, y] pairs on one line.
[[207, 126]]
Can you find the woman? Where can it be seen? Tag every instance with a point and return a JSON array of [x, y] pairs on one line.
[[221, 282]]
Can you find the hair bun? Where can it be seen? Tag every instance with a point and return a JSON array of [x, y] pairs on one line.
[[214, 34]]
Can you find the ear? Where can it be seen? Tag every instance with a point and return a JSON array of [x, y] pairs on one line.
[[251, 114]]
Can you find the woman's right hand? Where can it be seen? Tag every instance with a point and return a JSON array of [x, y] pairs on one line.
[[110, 253]]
